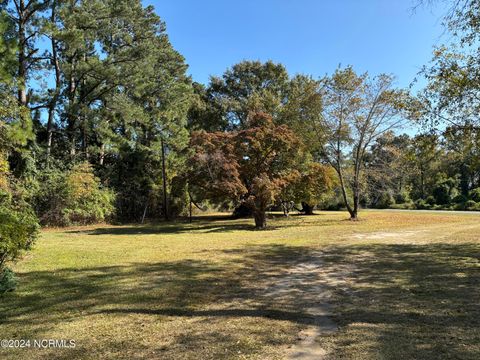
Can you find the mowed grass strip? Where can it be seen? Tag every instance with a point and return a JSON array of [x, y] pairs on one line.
[[193, 291]]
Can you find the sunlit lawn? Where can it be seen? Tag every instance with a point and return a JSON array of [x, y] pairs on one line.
[[193, 291]]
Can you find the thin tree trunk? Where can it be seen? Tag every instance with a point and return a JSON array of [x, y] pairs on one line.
[[72, 88], [22, 59], [190, 218], [102, 154], [84, 117], [145, 212], [84, 139], [164, 180], [356, 197], [344, 193], [356, 201], [53, 102]]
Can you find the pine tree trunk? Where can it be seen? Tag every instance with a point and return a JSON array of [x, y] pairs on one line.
[[54, 100], [102, 155], [22, 57], [164, 180]]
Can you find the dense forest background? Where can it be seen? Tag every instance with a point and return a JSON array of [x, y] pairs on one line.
[[99, 121]]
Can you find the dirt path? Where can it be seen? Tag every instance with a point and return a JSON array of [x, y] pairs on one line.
[[309, 285]]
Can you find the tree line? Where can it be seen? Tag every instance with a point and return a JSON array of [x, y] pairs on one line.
[[100, 121]]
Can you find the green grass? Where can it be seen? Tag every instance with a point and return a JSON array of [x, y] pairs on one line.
[[193, 291]]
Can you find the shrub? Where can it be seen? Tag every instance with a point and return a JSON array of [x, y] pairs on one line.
[[402, 198], [87, 202], [445, 190], [18, 226], [430, 200], [385, 201], [405, 206], [421, 204], [18, 230], [74, 197], [472, 205], [474, 195], [459, 199], [459, 206], [441, 193], [8, 281]]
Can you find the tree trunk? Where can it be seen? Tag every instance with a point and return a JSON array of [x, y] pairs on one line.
[[102, 155], [307, 209], [71, 116], [164, 180], [286, 208], [260, 219], [352, 212], [53, 103], [22, 57], [190, 211], [356, 202], [51, 111]]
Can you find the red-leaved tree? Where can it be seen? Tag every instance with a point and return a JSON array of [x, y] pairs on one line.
[[250, 166]]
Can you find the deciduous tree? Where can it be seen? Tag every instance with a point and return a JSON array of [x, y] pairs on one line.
[[249, 166]]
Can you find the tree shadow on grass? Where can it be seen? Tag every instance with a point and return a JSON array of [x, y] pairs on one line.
[[410, 301], [400, 301], [165, 229], [210, 226], [169, 285], [205, 224], [195, 289]]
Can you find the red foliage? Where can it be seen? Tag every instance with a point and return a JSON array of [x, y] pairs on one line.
[[251, 165]]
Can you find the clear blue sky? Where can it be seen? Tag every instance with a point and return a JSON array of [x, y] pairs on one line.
[[307, 36]]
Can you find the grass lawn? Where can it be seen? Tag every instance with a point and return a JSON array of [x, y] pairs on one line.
[[402, 285]]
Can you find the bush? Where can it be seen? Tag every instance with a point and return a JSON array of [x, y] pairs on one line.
[[474, 195], [459, 206], [445, 191], [405, 206], [73, 198], [459, 199], [18, 230], [8, 281], [472, 205], [421, 204], [18, 225], [385, 201], [403, 198]]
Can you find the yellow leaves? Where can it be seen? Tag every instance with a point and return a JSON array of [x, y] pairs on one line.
[[81, 181], [4, 172]]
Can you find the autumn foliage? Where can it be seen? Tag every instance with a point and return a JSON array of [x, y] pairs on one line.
[[250, 166]]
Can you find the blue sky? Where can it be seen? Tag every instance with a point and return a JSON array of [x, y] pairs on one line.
[[307, 36]]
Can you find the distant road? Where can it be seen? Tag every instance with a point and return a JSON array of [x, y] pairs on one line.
[[429, 211]]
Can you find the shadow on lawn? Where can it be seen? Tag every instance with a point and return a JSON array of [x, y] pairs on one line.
[[401, 301], [410, 301], [206, 224], [170, 228]]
